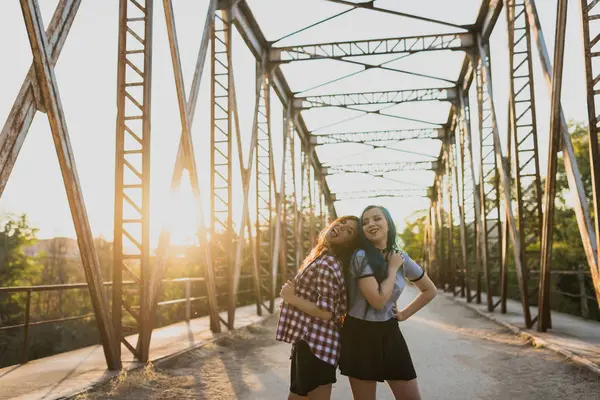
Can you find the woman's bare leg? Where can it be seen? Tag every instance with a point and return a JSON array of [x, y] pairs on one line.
[[293, 396], [405, 390], [323, 392], [363, 390]]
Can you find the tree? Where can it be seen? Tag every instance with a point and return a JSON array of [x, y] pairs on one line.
[[413, 235]]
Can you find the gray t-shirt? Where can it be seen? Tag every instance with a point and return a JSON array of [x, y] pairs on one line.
[[360, 268]]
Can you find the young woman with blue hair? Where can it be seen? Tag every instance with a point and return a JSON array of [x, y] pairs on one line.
[[373, 348]]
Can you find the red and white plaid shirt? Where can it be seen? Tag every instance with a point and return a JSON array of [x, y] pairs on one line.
[[322, 283]]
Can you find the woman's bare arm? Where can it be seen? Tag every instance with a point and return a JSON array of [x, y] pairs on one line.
[[427, 292], [288, 293]]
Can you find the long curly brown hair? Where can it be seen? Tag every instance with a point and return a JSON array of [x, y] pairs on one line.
[[341, 252]]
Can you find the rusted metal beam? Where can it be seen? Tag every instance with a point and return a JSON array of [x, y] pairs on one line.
[[28, 100], [469, 174], [522, 124], [133, 159], [588, 13], [182, 161], [485, 72], [378, 168], [249, 29], [584, 221], [340, 50], [395, 135], [488, 15], [550, 187], [245, 173], [382, 97], [280, 213], [58, 125]]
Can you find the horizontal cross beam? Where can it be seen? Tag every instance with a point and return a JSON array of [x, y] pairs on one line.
[[378, 136], [339, 50], [380, 168], [383, 97], [371, 194]]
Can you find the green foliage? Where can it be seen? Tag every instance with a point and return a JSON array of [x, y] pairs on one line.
[[413, 236]]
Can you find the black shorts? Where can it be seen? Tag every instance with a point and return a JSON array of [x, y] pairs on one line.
[[308, 372], [375, 351]]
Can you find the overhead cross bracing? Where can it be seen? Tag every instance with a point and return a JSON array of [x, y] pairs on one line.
[[340, 50], [384, 97], [380, 168], [377, 136], [374, 100]]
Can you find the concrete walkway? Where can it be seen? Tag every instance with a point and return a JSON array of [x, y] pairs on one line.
[[571, 336], [68, 373], [458, 355]]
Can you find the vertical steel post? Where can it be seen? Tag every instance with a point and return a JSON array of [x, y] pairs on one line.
[[485, 72], [132, 166], [592, 80], [449, 272], [523, 128], [550, 187], [586, 228], [491, 234], [221, 226], [264, 194]]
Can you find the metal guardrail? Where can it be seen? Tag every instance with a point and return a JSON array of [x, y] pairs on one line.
[[27, 323]]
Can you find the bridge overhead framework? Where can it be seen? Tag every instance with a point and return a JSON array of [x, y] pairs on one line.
[[486, 201]]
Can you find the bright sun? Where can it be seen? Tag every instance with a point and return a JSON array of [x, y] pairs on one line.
[[180, 215]]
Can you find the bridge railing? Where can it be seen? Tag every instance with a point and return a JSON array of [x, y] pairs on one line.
[[27, 323]]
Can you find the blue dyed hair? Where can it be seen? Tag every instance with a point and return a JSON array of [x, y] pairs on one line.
[[374, 257]]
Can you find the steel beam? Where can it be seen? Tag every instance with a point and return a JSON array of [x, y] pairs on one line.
[[523, 133], [132, 168], [363, 194], [248, 28], [488, 15], [246, 176], [291, 210], [367, 98], [221, 143], [380, 168], [550, 187], [584, 221], [485, 71], [400, 45], [28, 100], [44, 72], [491, 234], [394, 135], [589, 12], [185, 159], [264, 194], [448, 272]]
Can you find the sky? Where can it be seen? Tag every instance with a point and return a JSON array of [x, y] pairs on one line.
[[86, 75]]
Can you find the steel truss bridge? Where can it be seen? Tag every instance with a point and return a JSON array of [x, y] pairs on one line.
[[469, 197]]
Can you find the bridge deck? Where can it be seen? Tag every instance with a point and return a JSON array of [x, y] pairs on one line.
[[569, 334], [457, 353], [67, 373]]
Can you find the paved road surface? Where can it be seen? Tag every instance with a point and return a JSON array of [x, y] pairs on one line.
[[457, 354]]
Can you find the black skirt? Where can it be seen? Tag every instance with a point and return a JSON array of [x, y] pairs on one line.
[[308, 372], [375, 351]]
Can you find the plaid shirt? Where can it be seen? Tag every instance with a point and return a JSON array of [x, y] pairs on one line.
[[322, 283]]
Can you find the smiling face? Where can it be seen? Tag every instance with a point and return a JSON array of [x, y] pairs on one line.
[[375, 227], [342, 232]]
